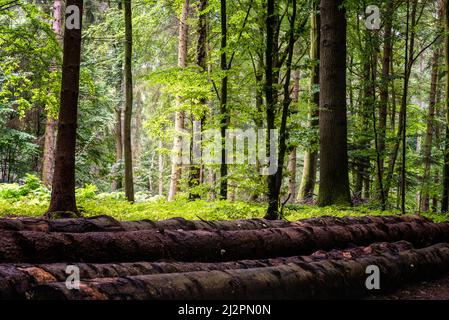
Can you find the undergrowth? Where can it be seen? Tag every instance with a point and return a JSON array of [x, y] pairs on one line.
[[31, 198]]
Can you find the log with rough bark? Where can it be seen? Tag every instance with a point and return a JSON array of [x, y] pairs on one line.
[[109, 224], [17, 279], [206, 246], [321, 279]]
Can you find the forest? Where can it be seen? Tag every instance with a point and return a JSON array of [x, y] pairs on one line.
[[214, 149]]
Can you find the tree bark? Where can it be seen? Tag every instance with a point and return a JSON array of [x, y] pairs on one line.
[[117, 183], [108, 224], [344, 278], [201, 56], [224, 113], [176, 169], [445, 196], [128, 152], [206, 246], [407, 72], [16, 280], [63, 191], [48, 160], [334, 177], [385, 81]]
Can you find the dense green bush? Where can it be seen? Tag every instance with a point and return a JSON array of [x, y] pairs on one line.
[[31, 198]]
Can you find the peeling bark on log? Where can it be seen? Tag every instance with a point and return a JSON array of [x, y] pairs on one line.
[[321, 279], [206, 246], [17, 279], [108, 224]]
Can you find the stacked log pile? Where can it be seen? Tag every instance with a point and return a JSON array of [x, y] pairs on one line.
[[244, 259]]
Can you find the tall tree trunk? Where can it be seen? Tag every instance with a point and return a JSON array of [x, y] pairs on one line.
[[63, 191], [48, 160], [445, 197], [271, 98], [275, 183], [424, 197], [224, 116], [334, 177], [385, 81], [307, 187], [117, 183], [292, 158], [176, 169], [201, 55], [408, 68], [129, 180], [137, 126]]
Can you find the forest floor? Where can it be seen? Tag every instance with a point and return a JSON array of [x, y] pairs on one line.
[[436, 289]]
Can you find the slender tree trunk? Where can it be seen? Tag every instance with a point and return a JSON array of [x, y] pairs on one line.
[[445, 197], [307, 187], [129, 180], [292, 175], [137, 126], [292, 157], [224, 116], [48, 160], [201, 55], [258, 117], [385, 81], [393, 99], [161, 169], [334, 178], [275, 180], [408, 68], [424, 197], [176, 169], [63, 191], [271, 99], [117, 183]]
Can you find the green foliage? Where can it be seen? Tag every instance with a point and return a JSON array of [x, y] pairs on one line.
[[31, 189], [32, 199]]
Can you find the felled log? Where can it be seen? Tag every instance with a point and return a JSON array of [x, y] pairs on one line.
[[109, 224], [206, 246], [17, 279], [321, 279]]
